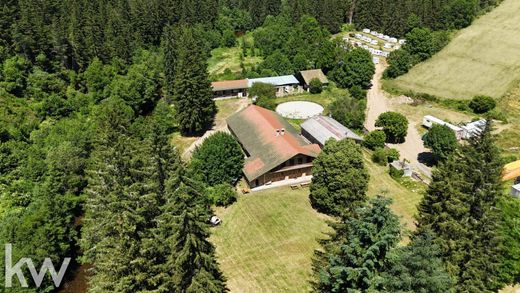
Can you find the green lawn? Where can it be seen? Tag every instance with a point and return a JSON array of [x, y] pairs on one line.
[[482, 59], [266, 241], [406, 193]]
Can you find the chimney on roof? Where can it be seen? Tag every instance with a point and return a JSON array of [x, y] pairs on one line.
[[282, 131], [278, 132]]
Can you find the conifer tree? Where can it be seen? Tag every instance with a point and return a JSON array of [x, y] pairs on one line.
[[189, 264], [416, 267], [192, 95], [120, 198], [354, 257], [461, 209]]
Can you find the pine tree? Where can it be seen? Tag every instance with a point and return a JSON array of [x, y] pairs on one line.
[[119, 207], [354, 257], [189, 264], [192, 93], [169, 59], [416, 267]]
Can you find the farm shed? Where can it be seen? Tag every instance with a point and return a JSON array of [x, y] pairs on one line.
[[307, 75], [429, 121], [474, 128], [229, 89], [276, 153], [319, 129], [285, 85], [515, 191]]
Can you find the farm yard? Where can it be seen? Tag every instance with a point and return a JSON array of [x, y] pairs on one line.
[[482, 59]]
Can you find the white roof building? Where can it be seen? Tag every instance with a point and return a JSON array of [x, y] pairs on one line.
[[429, 121], [275, 80], [474, 128], [319, 129]]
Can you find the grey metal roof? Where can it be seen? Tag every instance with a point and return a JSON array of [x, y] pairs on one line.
[[275, 80], [323, 128]]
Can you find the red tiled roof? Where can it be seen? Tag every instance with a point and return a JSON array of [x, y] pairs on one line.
[[256, 129], [229, 85]]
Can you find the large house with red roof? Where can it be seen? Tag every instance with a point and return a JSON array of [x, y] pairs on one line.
[[275, 152]]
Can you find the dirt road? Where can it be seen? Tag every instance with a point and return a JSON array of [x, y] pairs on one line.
[[220, 125], [379, 102]]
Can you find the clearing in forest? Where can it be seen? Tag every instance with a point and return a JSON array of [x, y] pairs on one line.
[[482, 59]]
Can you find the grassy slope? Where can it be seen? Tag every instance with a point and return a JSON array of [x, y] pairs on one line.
[[223, 58], [482, 59], [406, 195], [509, 138], [266, 240]]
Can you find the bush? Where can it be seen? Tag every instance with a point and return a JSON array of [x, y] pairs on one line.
[[441, 140], [221, 194], [396, 174], [482, 104], [315, 86], [392, 155], [375, 139], [348, 111], [395, 126], [219, 159], [357, 92], [380, 157]]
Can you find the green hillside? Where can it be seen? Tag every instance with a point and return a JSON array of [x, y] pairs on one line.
[[482, 59]]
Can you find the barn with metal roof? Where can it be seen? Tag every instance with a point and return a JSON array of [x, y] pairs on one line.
[[319, 129]]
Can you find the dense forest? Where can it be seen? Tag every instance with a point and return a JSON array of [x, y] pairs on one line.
[[90, 92]]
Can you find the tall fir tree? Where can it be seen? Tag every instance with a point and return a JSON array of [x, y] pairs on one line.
[[416, 267], [189, 264], [192, 95], [353, 258]]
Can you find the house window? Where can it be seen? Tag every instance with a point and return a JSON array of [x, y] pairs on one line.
[[300, 161], [291, 162]]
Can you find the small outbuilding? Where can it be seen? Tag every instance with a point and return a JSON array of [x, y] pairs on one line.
[[319, 129], [474, 128], [306, 76]]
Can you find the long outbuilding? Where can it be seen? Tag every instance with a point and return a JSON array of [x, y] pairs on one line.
[[319, 129]]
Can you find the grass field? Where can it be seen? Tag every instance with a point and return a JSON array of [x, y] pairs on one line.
[[229, 58], [266, 241], [509, 138], [482, 59]]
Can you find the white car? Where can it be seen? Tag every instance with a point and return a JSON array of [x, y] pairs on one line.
[[214, 220]]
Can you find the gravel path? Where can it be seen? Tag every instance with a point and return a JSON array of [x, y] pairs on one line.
[[377, 103], [220, 125]]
